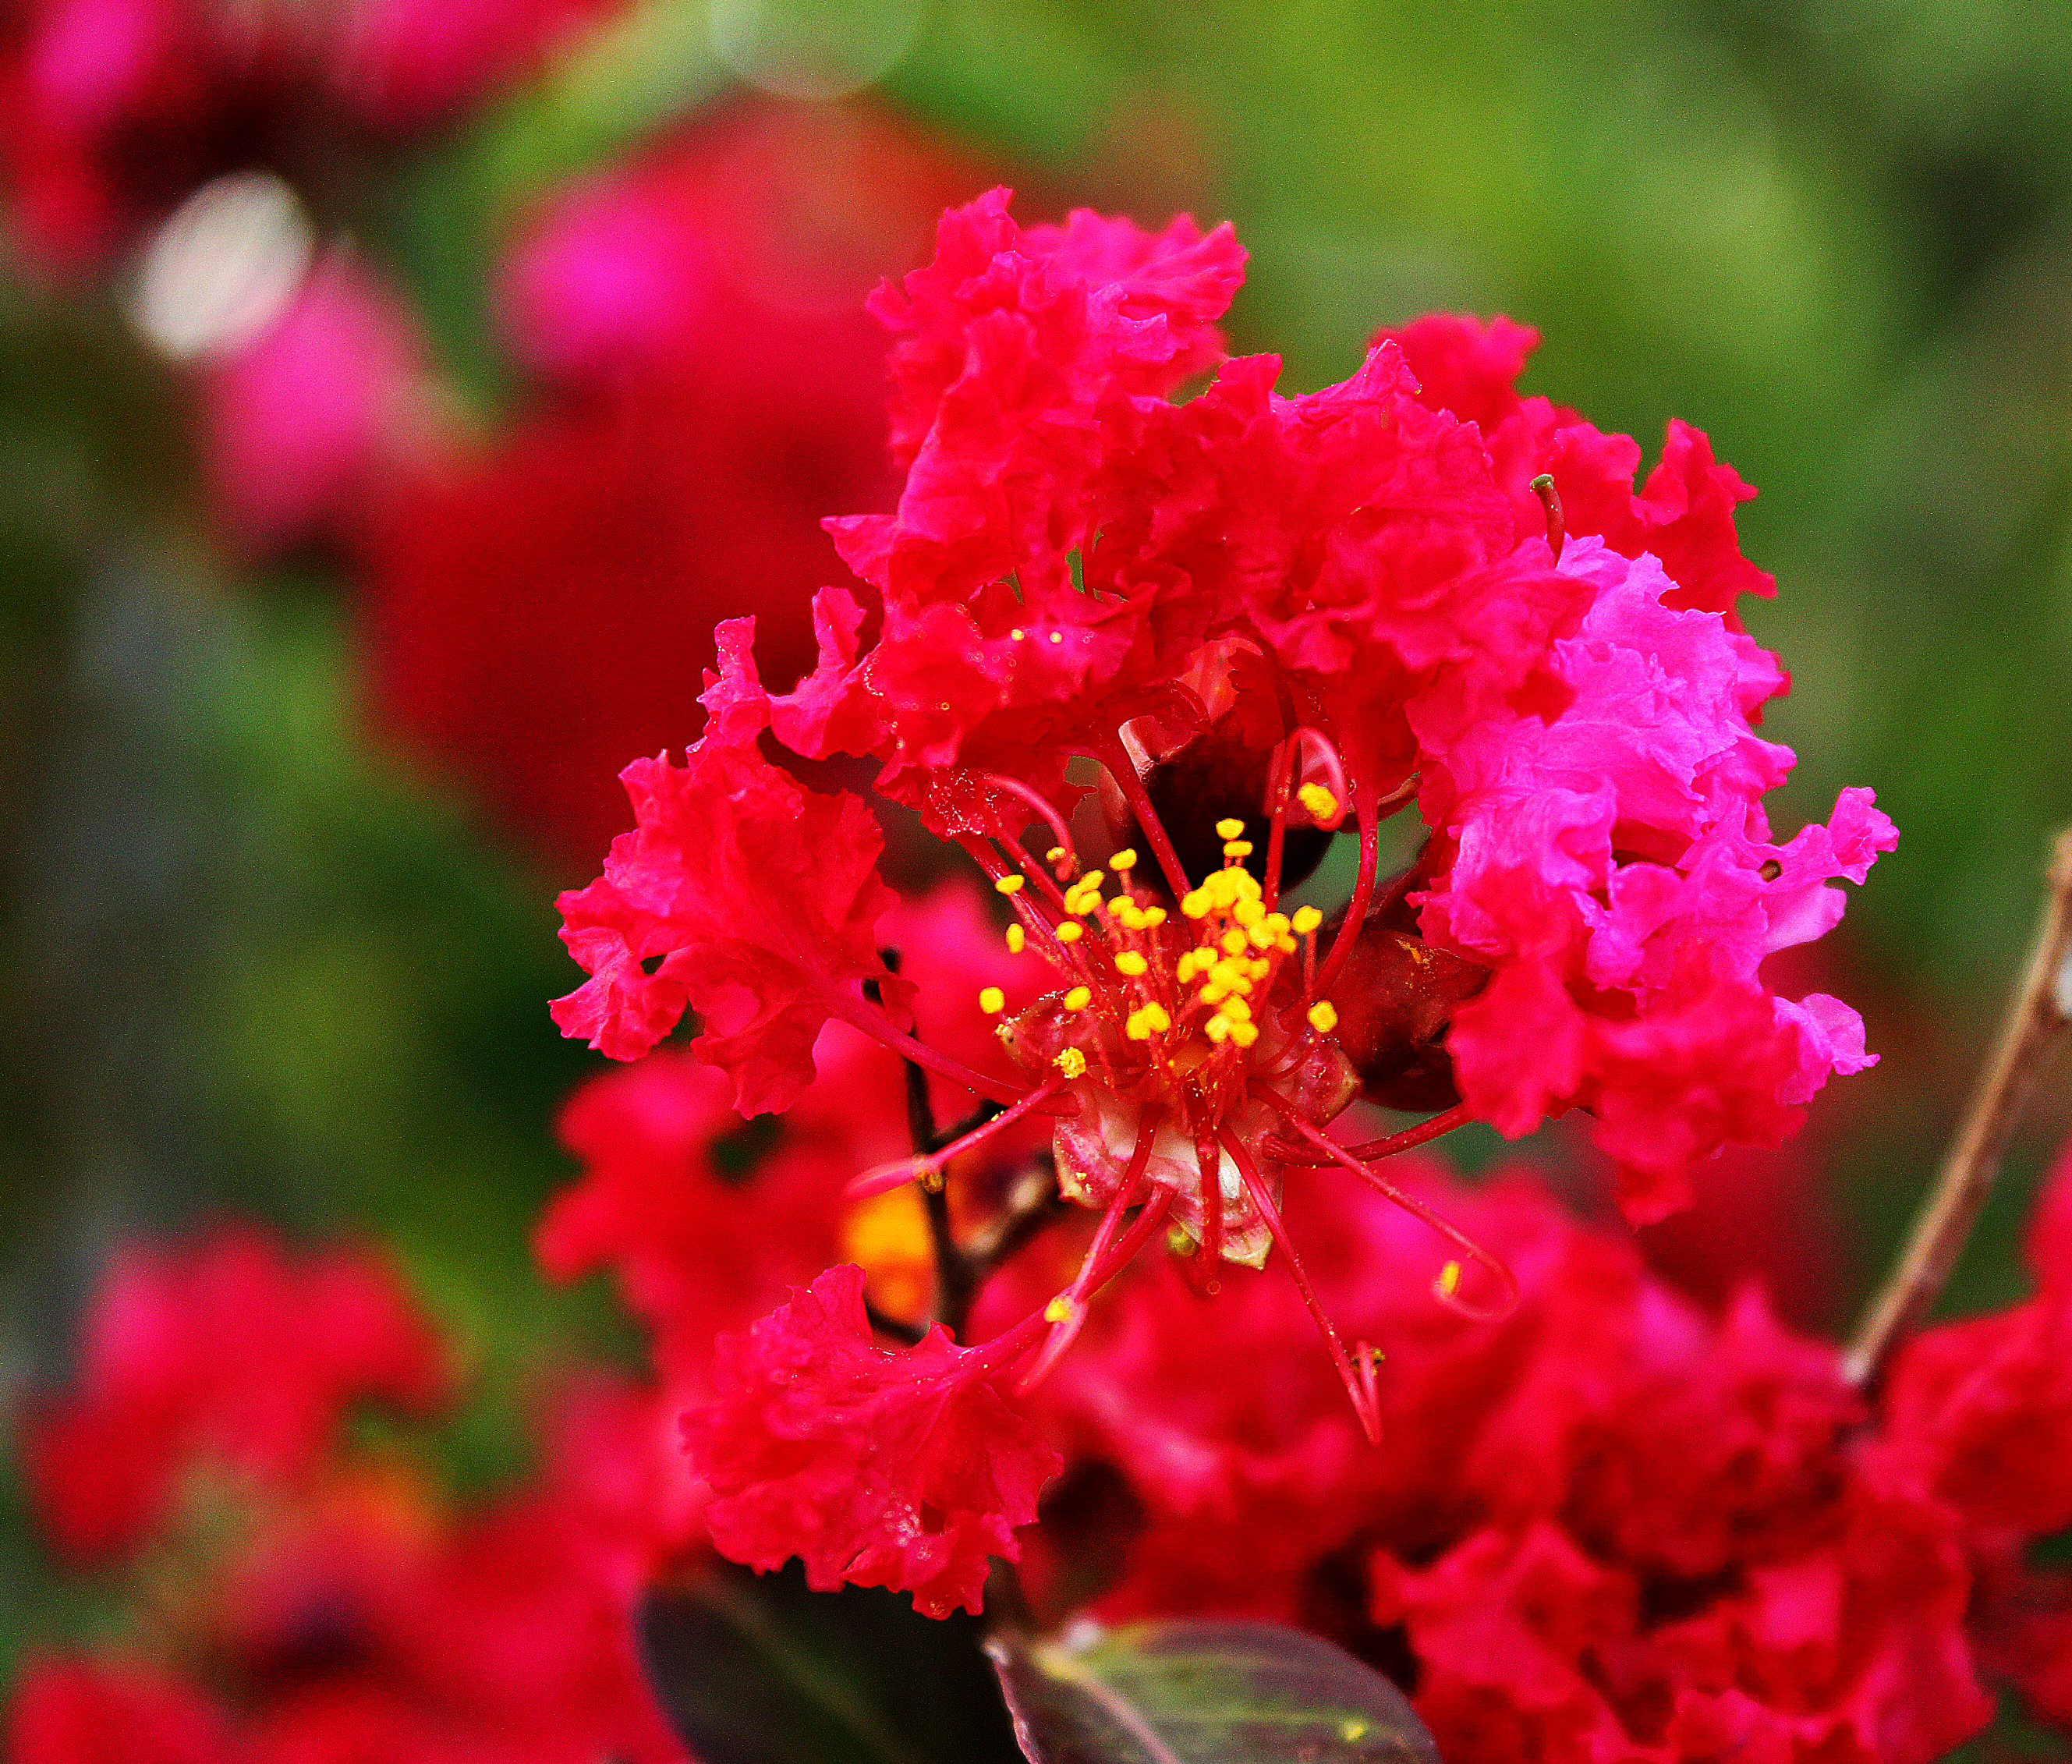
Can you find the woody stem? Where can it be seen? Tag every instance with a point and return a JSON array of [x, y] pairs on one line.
[[2035, 1018]]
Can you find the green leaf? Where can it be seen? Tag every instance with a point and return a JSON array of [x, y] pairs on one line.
[[755, 1669], [1196, 1692]]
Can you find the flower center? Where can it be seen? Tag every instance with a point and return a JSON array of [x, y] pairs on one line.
[[1176, 1023]]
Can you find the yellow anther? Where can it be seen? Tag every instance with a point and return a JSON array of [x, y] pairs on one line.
[[1449, 1279], [1054, 854], [1307, 919], [1195, 905], [1071, 1063], [1234, 943], [1017, 937], [1078, 998], [1010, 885], [1235, 848], [1262, 936], [1057, 636], [992, 1000], [1319, 801], [1183, 970], [1230, 828], [1129, 962], [1091, 879], [1286, 945], [1122, 860], [1058, 1311], [1214, 993], [1258, 969], [1154, 917], [1237, 1010], [1070, 932], [1277, 923], [1217, 1029], [1016, 633], [1323, 1017], [1147, 1021], [1247, 912], [1244, 1034]]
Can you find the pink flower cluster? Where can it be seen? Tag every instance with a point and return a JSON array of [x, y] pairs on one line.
[[1080, 566], [300, 1598], [1253, 614]]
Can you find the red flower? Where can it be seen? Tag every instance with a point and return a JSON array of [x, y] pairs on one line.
[[1981, 1408], [303, 423], [537, 616], [1254, 612], [707, 1221], [904, 1469], [759, 915], [76, 1711], [337, 1605], [229, 1351]]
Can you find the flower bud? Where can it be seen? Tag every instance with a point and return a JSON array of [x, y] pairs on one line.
[[1394, 998]]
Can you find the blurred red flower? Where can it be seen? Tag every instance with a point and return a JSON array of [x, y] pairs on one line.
[[536, 617]]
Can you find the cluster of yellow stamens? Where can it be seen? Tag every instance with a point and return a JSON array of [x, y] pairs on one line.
[[1212, 988]]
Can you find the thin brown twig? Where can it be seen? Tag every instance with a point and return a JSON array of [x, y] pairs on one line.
[[2035, 1019]]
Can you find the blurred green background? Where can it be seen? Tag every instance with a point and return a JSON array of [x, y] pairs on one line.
[[253, 962]]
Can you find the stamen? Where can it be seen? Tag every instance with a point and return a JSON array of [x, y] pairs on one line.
[[1071, 1305], [1542, 488], [1445, 1289], [1009, 1347], [1115, 755], [1321, 802], [927, 1168], [1017, 939], [1208, 1163], [1369, 861], [1359, 1384], [1437, 1126], [1062, 852], [875, 1024], [992, 1000]]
